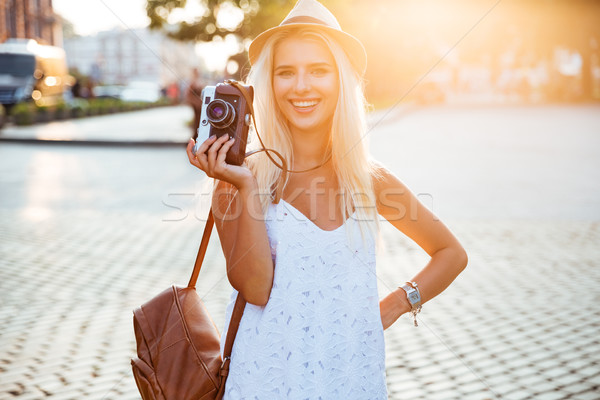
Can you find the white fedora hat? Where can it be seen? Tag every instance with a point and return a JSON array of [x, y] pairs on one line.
[[311, 13]]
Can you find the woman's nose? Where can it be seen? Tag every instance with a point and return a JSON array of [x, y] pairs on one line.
[[302, 83]]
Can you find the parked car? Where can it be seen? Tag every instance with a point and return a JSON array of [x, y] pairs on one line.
[[30, 71], [108, 92], [2, 116], [143, 91]]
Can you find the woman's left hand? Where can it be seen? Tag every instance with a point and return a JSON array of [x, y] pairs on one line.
[[393, 306]]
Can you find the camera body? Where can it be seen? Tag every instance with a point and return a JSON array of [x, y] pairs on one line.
[[225, 111]]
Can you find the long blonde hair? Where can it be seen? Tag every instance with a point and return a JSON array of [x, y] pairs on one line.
[[352, 165]]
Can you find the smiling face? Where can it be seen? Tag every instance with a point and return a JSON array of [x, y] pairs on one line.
[[305, 84]]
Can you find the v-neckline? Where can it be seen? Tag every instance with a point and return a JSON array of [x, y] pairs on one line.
[[295, 210]]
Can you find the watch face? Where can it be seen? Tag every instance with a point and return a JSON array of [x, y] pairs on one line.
[[413, 297]]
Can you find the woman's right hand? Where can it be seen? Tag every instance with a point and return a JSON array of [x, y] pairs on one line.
[[210, 158]]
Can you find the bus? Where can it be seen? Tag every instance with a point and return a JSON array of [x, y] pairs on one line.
[[32, 72]]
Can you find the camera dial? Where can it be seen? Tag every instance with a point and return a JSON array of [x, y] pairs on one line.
[[220, 113]]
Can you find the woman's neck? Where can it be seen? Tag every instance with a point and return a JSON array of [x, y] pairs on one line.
[[310, 149]]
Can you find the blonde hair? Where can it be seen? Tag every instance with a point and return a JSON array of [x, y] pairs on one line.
[[349, 155]]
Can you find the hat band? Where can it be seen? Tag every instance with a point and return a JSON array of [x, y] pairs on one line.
[[304, 20]]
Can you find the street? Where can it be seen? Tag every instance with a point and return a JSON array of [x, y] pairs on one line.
[[88, 233]]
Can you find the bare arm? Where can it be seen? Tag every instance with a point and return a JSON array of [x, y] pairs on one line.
[[397, 204], [238, 219], [241, 227]]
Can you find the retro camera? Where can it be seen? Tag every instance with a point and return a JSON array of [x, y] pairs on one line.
[[225, 111]]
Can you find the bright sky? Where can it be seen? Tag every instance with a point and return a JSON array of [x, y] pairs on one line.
[[91, 16]]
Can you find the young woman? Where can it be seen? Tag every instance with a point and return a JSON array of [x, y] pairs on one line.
[[305, 260]]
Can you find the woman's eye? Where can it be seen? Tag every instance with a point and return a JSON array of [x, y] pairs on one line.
[[319, 71], [284, 73]]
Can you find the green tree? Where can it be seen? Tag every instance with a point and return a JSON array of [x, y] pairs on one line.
[[257, 16]]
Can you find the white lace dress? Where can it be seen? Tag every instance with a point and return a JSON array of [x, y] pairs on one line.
[[320, 334]]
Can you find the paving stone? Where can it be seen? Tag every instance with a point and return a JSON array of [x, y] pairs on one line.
[[543, 386], [592, 370], [554, 395], [471, 387], [504, 387], [466, 378], [478, 396], [96, 245], [32, 393], [49, 384], [12, 389], [529, 380], [588, 395], [440, 385], [518, 394], [444, 395], [578, 388], [566, 380]]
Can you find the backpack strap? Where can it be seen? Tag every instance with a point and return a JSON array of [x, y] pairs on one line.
[[238, 309], [210, 222], [234, 324]]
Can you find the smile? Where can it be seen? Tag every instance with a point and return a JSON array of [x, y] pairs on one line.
[[305, 103]]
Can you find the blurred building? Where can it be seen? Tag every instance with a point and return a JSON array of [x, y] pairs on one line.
[[31, 19], [120, 56]]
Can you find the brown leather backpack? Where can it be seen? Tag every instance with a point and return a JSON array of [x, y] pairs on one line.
[[178, 344]]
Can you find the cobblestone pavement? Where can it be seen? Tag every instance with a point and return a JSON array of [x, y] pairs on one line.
[[88, 234]]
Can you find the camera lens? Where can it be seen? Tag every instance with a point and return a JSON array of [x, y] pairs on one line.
[[217, 111], [220, 114]]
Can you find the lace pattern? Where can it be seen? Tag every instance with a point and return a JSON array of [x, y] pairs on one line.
[[320, 335]]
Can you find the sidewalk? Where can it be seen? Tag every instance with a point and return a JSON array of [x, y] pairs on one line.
[[130, 128]]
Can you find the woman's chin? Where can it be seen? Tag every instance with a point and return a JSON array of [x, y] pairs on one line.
[[307, 125]]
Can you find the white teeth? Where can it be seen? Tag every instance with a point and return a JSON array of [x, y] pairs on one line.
[[304, 103]]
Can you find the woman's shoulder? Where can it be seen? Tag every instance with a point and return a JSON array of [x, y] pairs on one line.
[[379, 172], [376, 167], [383, 178]]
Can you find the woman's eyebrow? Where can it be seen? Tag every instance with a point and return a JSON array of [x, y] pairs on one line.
[[312, 65], [320, 64]]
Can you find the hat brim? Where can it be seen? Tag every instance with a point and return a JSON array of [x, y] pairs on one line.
[[351, 45]]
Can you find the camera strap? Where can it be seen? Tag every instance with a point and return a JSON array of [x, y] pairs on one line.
[[283, 165]]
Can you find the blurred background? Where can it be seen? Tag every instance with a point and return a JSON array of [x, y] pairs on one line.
[[488, 110], [426, 51]]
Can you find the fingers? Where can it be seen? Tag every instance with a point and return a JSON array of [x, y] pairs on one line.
[[198, 159], [212, 161], [190, 152], [205, 145], [211, 155], [223, 151], [214, 150]]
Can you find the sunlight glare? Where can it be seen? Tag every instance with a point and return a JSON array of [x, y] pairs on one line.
[[229, 16], [192, 12], [217, 52]]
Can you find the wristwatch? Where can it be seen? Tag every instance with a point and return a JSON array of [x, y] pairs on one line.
[[414, 298]]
